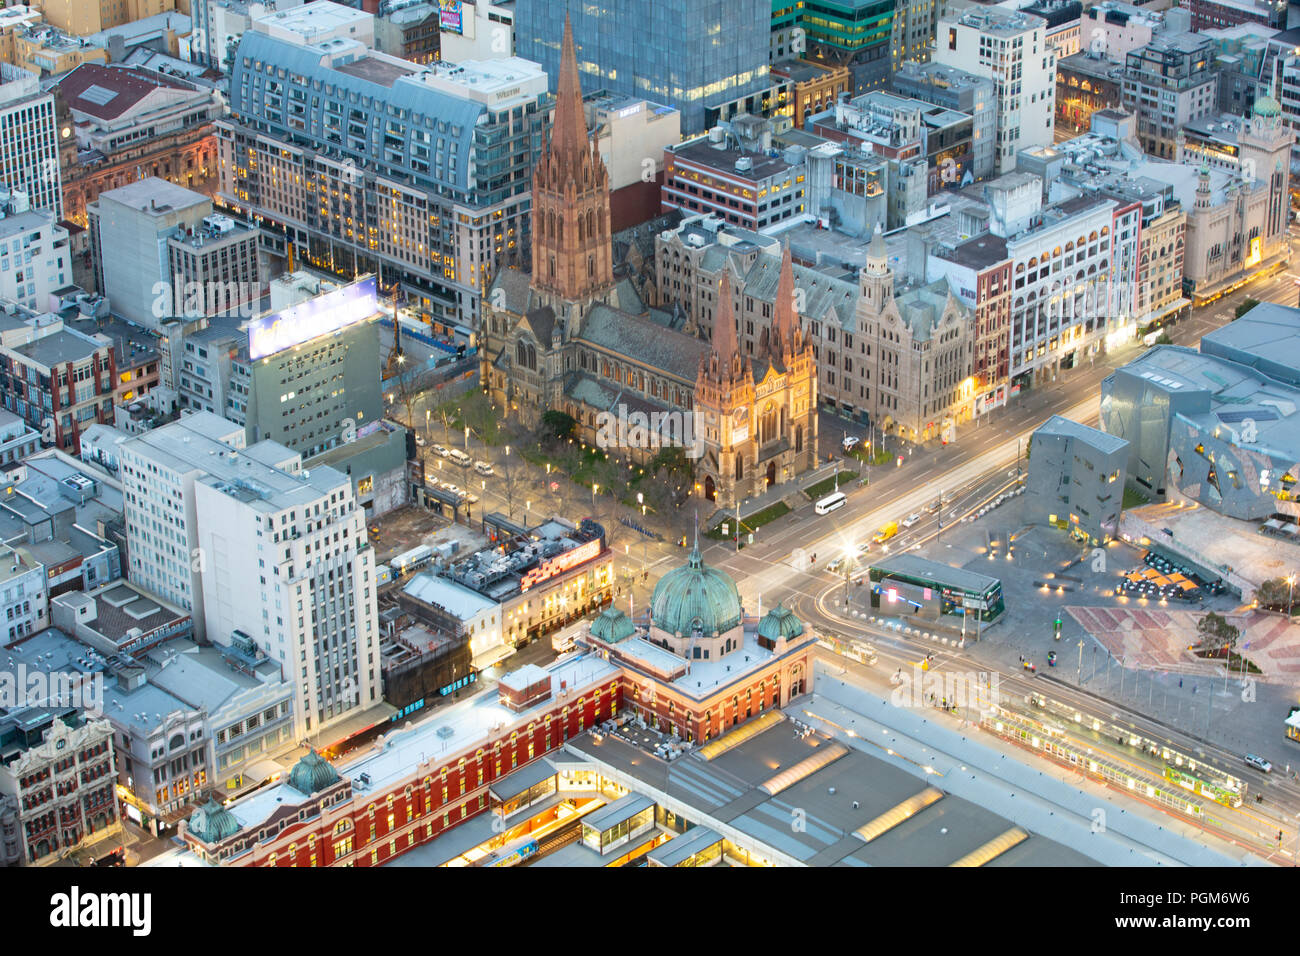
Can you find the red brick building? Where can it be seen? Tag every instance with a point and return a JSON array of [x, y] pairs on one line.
[[698, 667]]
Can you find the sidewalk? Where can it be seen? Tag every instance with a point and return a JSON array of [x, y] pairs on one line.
[[792, 490]]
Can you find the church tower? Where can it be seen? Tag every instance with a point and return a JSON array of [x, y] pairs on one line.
[[1264, 149], [724, 401], [782, 343], [876, 281], [572, 251]]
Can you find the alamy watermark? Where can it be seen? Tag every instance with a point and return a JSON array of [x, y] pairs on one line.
[[979, 690], [653, 430], [184, 298], [24, 687]]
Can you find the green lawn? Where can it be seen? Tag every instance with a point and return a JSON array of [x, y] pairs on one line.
[[749, 522], [824, 488], [878, 456], [1133, 498]]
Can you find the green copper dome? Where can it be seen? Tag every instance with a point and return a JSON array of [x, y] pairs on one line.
[[780, 623], [212, 822], [1267, 106], [694, 596], [312, 773], [612, 626]]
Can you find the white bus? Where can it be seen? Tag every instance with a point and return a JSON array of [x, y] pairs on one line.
[[830, 503]]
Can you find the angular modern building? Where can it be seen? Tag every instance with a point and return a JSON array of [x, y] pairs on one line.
[[1076, 479], [1207, 428], [696, 55]]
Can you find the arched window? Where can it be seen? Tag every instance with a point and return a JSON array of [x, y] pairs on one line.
[[581, 231], [740, 467]]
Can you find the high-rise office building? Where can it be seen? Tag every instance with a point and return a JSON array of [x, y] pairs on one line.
[[258, 548], [160, 251], [1168, 82], [860, 35], [696, 55], [356, 162], [29, 152], [1012, 50]]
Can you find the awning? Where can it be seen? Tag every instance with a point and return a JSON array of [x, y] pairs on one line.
[[522, 780], [263, 769], [491, 656]]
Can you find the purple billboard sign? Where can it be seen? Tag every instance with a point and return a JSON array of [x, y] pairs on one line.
[[449, 16], [330, 312]]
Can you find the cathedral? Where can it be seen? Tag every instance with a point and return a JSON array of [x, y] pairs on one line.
[[573, 336]]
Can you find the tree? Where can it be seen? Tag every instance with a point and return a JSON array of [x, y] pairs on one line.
[[1216, 633], [558, 426], [1274, 593], [1246, 307]]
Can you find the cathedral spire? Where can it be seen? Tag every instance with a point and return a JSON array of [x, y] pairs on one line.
[[724, 323], [785, 318], [571, 230], [569, 128]]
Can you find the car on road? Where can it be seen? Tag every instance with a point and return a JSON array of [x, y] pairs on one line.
[[1259, 763], [374, 532], [483, 468], [850, 442], [460, 458], [911, 519], [441, 451], [934, 507], [886, 532], [836, 566]]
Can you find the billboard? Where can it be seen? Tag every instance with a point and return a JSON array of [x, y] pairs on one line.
[[561, 563], [277, 331], [450, 16]]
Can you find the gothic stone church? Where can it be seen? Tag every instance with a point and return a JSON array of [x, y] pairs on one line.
[[572, 337]]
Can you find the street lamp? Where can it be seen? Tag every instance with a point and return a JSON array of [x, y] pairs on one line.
[[1290, 599], [640, 500]]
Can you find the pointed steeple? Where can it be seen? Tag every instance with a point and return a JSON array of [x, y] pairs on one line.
[[569, 128], [724, 323], [785, 319], [571, 235]]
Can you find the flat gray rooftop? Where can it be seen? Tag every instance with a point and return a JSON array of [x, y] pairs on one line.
[[940, 573], [847, 794], [1068, 428]]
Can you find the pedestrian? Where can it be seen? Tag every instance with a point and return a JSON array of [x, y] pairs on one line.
[[1180, 682]]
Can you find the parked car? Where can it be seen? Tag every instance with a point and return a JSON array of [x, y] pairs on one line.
[[441, 451], [460, 458], [420, 442], [850, 442], [483, 468]]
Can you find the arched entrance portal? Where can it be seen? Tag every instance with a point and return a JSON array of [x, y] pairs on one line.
[[710, 490], [771, 473]]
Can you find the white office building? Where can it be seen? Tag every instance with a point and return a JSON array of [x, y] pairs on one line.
[[29, 152], [260, 549], [34, 256], [1011, 49]]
